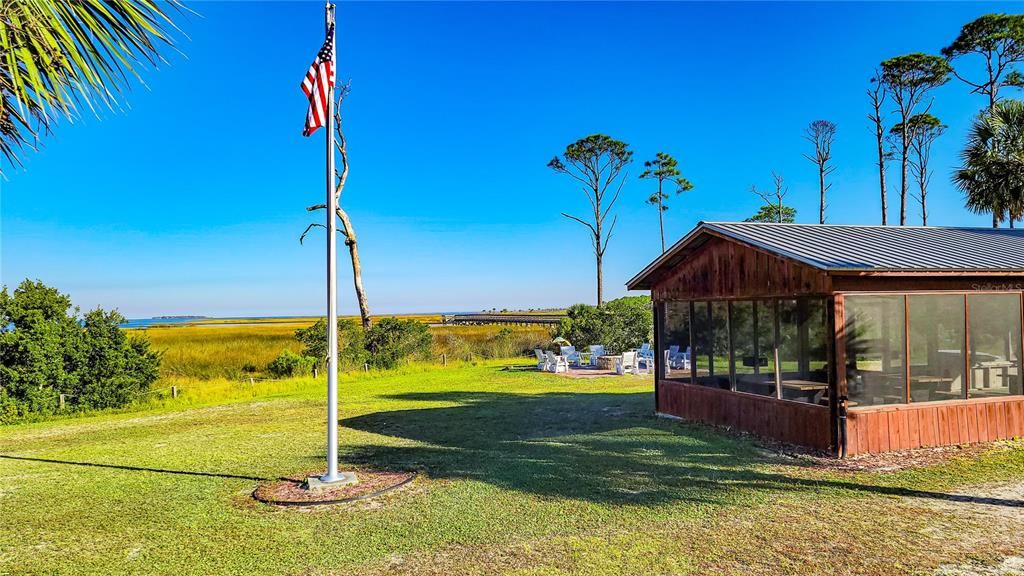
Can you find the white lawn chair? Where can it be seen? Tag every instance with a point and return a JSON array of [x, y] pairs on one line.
[[626, 364], [556, 364], [644, 365], [646, 351], [570, 353], [596, 351], [542, 360]]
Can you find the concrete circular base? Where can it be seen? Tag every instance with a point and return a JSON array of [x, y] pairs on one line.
[[315, 483]]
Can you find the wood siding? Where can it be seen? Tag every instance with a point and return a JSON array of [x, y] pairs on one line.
[[907, 426], [926, 282], [726, 269], [781, 420]]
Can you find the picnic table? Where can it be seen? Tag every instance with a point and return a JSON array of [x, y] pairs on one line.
[[804, 385]]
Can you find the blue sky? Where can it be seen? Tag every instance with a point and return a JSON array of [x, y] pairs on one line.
[[191, 200]]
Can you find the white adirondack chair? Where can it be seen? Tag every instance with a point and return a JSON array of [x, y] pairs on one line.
[[596, 351], [557, 364], [644, 365], [542, 360], [627, 364]]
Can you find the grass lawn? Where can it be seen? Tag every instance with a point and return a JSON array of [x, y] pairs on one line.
[[522, 473]]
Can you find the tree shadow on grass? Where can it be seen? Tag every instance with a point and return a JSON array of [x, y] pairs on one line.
[[125, 467], [602, 448]]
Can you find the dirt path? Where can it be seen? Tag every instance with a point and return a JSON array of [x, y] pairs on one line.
[[998, 506]]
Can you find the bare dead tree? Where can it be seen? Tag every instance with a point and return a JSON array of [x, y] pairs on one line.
[[346, 229], [821, 133], [774, 209], [877, 95]]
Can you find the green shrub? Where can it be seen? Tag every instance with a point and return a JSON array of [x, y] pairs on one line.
[[289, 364], [619, 325], [391, 341], [48, 349], [387, 344], [351, 343]]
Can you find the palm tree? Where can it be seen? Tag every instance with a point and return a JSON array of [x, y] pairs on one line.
[[992, 172], [57, 57]]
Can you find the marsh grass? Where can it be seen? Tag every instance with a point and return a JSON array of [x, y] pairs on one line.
[[231, 352], [489, 341], [243, 351]]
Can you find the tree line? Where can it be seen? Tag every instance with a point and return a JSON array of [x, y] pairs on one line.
[[991, 175]]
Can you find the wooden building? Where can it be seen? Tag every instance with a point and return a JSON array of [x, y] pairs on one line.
[[852, 339]]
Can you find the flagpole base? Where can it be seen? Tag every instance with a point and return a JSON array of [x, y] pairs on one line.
[[314, 483]]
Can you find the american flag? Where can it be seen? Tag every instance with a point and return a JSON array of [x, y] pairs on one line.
[[317, 85]]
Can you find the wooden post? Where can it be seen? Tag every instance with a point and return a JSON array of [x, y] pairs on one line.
[[252, 382], [659, 364], [444, 359], [61, 401], [833, 328], [777, 306], [366, 366], [316, 373], [174, 391]]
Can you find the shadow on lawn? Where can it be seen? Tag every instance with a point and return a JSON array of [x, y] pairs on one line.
[[139, 468], [605, 448]]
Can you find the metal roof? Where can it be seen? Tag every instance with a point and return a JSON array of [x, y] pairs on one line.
[[844, 248]]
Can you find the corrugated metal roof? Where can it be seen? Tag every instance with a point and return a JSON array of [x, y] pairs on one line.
[[868, 248]]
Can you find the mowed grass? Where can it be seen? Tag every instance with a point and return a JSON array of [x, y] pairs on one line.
[[520, 473]]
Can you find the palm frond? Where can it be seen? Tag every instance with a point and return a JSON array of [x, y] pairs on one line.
[[58, 56]]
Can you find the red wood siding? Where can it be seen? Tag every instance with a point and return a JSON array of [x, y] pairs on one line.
[[785, 421], [725, 269], [907, 426]]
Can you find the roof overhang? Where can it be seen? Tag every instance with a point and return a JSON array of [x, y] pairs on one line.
[[704, 231], [686, 245]]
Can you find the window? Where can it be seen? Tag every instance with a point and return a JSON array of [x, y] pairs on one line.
[[711, 343], [753, 372], [675, 341], [875, 350], [994, 345], [936, 347], [720, 341], [803, 350], [766, 342], [702, 338]]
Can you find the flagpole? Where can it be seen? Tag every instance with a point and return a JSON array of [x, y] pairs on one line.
[[332, 285]]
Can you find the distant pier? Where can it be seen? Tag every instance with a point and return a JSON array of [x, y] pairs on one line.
[[502, 318]]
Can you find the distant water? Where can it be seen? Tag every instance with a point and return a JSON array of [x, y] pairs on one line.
[[148, 322]]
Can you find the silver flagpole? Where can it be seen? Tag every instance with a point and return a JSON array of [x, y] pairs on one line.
[[332, 285]]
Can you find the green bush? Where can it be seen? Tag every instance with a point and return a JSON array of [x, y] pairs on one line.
[[619, 325], [47, 349], [387, 344], [289, 364], [391, 341], [351, 343]]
